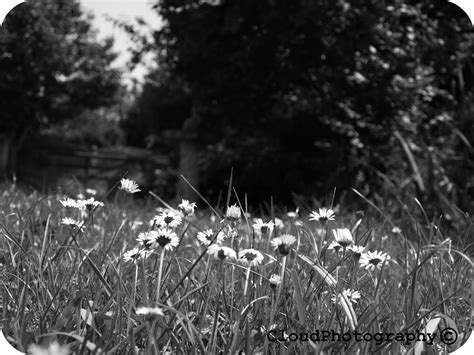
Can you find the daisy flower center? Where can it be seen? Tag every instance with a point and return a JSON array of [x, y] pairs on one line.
[[345, 243], [221, 254], [375, 261], [284, 249], [249, 256], [162, 240]]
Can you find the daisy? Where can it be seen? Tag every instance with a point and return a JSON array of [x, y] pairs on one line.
[[187, 208], [129, 186], [89, 204], [165, 238], [157, 222], [372, 260], [91, 192], [335, 246], [136, 224], [134, 255], [221, 252], [206, 237], [250, 257], [323, 215], [357, 250], [283, 243], [72, 223], [168, 218], [233, 213], [52, 348], [275, 280], [231, 233], [69, 203], [262, 228], [146, 240], [352, 295], [150, 313], [279, 223], [343, 236], [396, 230], [293, 214]]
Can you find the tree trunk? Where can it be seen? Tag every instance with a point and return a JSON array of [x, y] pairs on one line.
[[5, 153], [188, 159]]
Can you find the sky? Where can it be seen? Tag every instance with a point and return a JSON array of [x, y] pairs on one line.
[[124, 10]]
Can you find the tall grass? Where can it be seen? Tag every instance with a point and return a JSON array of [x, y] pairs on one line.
[[72, 285]]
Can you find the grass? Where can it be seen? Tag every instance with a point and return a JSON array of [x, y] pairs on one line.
[[72, 286]]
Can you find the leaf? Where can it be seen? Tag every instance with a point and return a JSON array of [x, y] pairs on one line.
[[299, 298]]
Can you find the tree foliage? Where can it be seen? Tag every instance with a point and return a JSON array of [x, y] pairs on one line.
[[52, 67], [303, 96]]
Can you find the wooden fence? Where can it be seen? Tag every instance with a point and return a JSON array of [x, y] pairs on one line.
[[53, 160]]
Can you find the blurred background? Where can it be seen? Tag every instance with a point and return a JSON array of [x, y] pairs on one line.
[[298, 98]]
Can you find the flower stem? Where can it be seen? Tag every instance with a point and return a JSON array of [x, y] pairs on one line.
[[132, 300], [247, 277], [158, 284]]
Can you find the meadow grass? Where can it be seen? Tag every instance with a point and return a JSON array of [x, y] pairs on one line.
[[243, 286]]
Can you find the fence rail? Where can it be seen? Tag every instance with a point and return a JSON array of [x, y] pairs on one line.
[[87, 164]]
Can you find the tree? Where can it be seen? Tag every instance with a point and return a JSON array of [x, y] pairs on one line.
[[51, 67], [313, 91], [163, 104]]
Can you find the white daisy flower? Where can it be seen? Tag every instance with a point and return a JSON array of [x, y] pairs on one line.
[[150, 313], [343, 236], [323, 215], [396, 230], [250, 257], [146, 240], [157, 222], [283, 243], [169, 218], [53, 348], [91, 192], [69, 203], [352, 295], [262, 228], [275, 280], [357, 250], [206, 237], [372, 260], [186, 207], [335, 246], [165, 238], [134, 255], [89, 204], [72, 223], [233, 213], [136, 224], [129, 186], [293, 214], [279, 223], [221, 252]]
